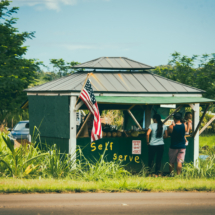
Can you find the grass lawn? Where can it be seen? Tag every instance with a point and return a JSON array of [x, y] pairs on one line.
[[207, 140], [129, 184]]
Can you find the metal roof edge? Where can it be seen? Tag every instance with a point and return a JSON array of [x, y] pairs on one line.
[[200, 90], [113, 92], [26, 90], [126, 72], [115, 68], [97, 60], [139, 63], [76, 66]]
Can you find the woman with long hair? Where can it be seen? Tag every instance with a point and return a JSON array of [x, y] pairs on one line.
[[158, 131]]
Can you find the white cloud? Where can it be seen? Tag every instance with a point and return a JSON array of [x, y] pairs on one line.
[[49, 4]]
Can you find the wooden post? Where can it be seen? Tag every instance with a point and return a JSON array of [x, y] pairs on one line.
[[72, 129], [83, 124], [132, 116], [177, 109], [148, 115], [196, 136]]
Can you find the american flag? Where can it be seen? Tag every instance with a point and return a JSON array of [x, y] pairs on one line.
[[88, 97]]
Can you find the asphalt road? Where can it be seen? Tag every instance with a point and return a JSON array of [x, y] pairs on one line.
[[107, 203]]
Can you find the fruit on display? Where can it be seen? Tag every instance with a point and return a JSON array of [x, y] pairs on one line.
[[108, 134], [114, 134], [119, 133]]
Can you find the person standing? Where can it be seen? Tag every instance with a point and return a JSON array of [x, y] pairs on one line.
[[188, 118], [177, 148], [156, 145]]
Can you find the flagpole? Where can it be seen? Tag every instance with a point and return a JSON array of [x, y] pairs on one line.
[[88, 75]]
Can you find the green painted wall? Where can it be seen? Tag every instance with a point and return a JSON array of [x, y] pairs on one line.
[[51, 115], [123, 147]]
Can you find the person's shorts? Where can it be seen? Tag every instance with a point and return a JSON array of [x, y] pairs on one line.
[[176, 155]]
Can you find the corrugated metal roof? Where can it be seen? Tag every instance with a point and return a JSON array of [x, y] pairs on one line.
[[109, 82], [117, 63]]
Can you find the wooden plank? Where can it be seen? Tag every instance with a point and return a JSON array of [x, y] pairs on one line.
[[177, 109], [197, 128], [79, 105], [132, 116], [83, 124], [131, 107], [208, 123]]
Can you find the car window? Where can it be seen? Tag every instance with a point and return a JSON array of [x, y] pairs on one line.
[[21, 126]]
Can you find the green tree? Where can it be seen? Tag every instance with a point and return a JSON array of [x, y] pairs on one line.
[[206, 75], [185, 70], [16, 72], [63, 68]]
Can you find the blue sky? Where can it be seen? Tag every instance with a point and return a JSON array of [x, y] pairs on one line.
[[144, 30]]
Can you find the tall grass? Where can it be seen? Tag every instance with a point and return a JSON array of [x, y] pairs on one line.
[[40, 161], [204, 169], [100, 169], [30, 161]]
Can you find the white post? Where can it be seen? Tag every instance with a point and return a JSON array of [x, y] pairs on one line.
[[196, 138], [72, 129]]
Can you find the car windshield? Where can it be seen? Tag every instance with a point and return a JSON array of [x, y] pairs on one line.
[[21, 126]]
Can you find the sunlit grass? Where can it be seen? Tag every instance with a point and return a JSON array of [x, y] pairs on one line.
[[131, 184], [207, 140]]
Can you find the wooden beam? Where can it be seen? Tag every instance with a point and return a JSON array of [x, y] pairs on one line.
[[83, 125], [131, 107], [132, 116], [177, 109], [197, 128], [208, 123], [78, 105]]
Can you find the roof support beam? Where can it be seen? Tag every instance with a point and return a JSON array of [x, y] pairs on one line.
[[176, 110], [88, 116], [197, 128], [209, 122], [131, 107], [78, 105], [135, 120]]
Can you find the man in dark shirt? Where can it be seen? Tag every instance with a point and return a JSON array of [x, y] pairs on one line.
[[177, 148]]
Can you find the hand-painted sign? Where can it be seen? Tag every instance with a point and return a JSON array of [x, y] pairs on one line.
[[136, 147]]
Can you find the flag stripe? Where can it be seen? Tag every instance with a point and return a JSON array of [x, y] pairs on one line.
[[88, 97]]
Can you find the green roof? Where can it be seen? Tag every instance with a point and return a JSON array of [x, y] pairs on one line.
[[151, 100]]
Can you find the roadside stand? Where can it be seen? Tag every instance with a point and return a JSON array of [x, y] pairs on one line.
[[119, 84]]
